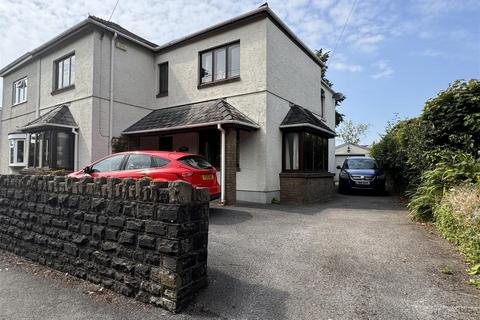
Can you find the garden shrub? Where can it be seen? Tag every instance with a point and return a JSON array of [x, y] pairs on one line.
[[457, 217], [450, 169], [450, 121]]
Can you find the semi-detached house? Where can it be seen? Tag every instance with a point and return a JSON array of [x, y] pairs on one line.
[[246, 93]]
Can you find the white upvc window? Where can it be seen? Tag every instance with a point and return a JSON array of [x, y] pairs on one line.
[[20, 91], [17, 149], [65, 72]]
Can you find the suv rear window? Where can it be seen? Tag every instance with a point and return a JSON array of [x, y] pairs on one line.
[[195, 162]]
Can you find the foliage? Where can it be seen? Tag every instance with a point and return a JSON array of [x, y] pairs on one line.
[[446, 270], [352, 133], [119, 144], [339, 98], [323, 56], [339, 117], [452, 118], [457, 217], [449, 121], [450, 168], [437, 157]]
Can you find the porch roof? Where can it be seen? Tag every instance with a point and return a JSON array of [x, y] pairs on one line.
[[298, 117], [59, 116], [195, 115]]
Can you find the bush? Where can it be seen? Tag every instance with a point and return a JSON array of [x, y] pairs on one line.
[[449, 169], [401, 152], [450, 121], [452, 118], [458, 219]]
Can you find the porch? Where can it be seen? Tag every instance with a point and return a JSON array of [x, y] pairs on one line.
[[211, 129]]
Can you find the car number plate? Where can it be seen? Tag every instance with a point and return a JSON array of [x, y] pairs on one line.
[[207, 176], [363, 182]]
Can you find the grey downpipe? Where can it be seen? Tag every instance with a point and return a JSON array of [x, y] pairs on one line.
[[110, 116], [39, 82], [75, 152], [222, 164]]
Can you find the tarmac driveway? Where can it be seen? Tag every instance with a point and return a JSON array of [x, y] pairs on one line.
[[357, 257]]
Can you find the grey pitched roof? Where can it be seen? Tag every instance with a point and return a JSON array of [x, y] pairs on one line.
[[298, 116], [57, 117], [191, 115], [122, 30]]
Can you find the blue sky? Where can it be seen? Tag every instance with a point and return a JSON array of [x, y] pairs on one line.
[[393, 54]]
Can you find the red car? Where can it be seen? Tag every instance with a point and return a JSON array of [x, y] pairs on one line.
[[158, 165]]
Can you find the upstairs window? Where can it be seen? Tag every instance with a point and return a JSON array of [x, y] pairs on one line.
[[17, 153], [163, 79], [220, 63], [20, 91], [322, 111], [65, 72]]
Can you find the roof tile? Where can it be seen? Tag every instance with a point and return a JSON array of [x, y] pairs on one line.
[[214, 111]]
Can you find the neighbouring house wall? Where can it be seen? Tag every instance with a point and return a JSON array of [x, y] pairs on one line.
[[16, 116], [344, 151], [133, 91], [78, 99], [142, 239]]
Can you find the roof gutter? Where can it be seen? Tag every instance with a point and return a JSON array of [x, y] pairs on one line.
[[215, 123], [47, 125], [299, 125]]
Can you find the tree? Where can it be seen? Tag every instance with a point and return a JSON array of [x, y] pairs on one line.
[[339, 97], [352, 133]]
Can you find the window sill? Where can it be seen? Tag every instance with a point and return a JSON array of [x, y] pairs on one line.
[[19, 103], [162, 94], [218, 82], [17, 165], [58, 91]]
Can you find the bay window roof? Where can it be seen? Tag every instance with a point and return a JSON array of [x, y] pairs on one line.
[[301, 118], [59, 116]]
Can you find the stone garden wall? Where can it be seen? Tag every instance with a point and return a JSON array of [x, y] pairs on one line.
[[143, 239]]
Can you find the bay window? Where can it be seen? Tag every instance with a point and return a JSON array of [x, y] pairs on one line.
[[221, 63], [52, 149], [17, 150], [305, 151]]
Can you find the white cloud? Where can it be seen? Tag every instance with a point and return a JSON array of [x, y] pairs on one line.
[[343, 66], [384, 70], [26, 24]]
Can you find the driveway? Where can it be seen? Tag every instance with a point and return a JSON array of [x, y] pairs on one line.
[[357, 257]]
